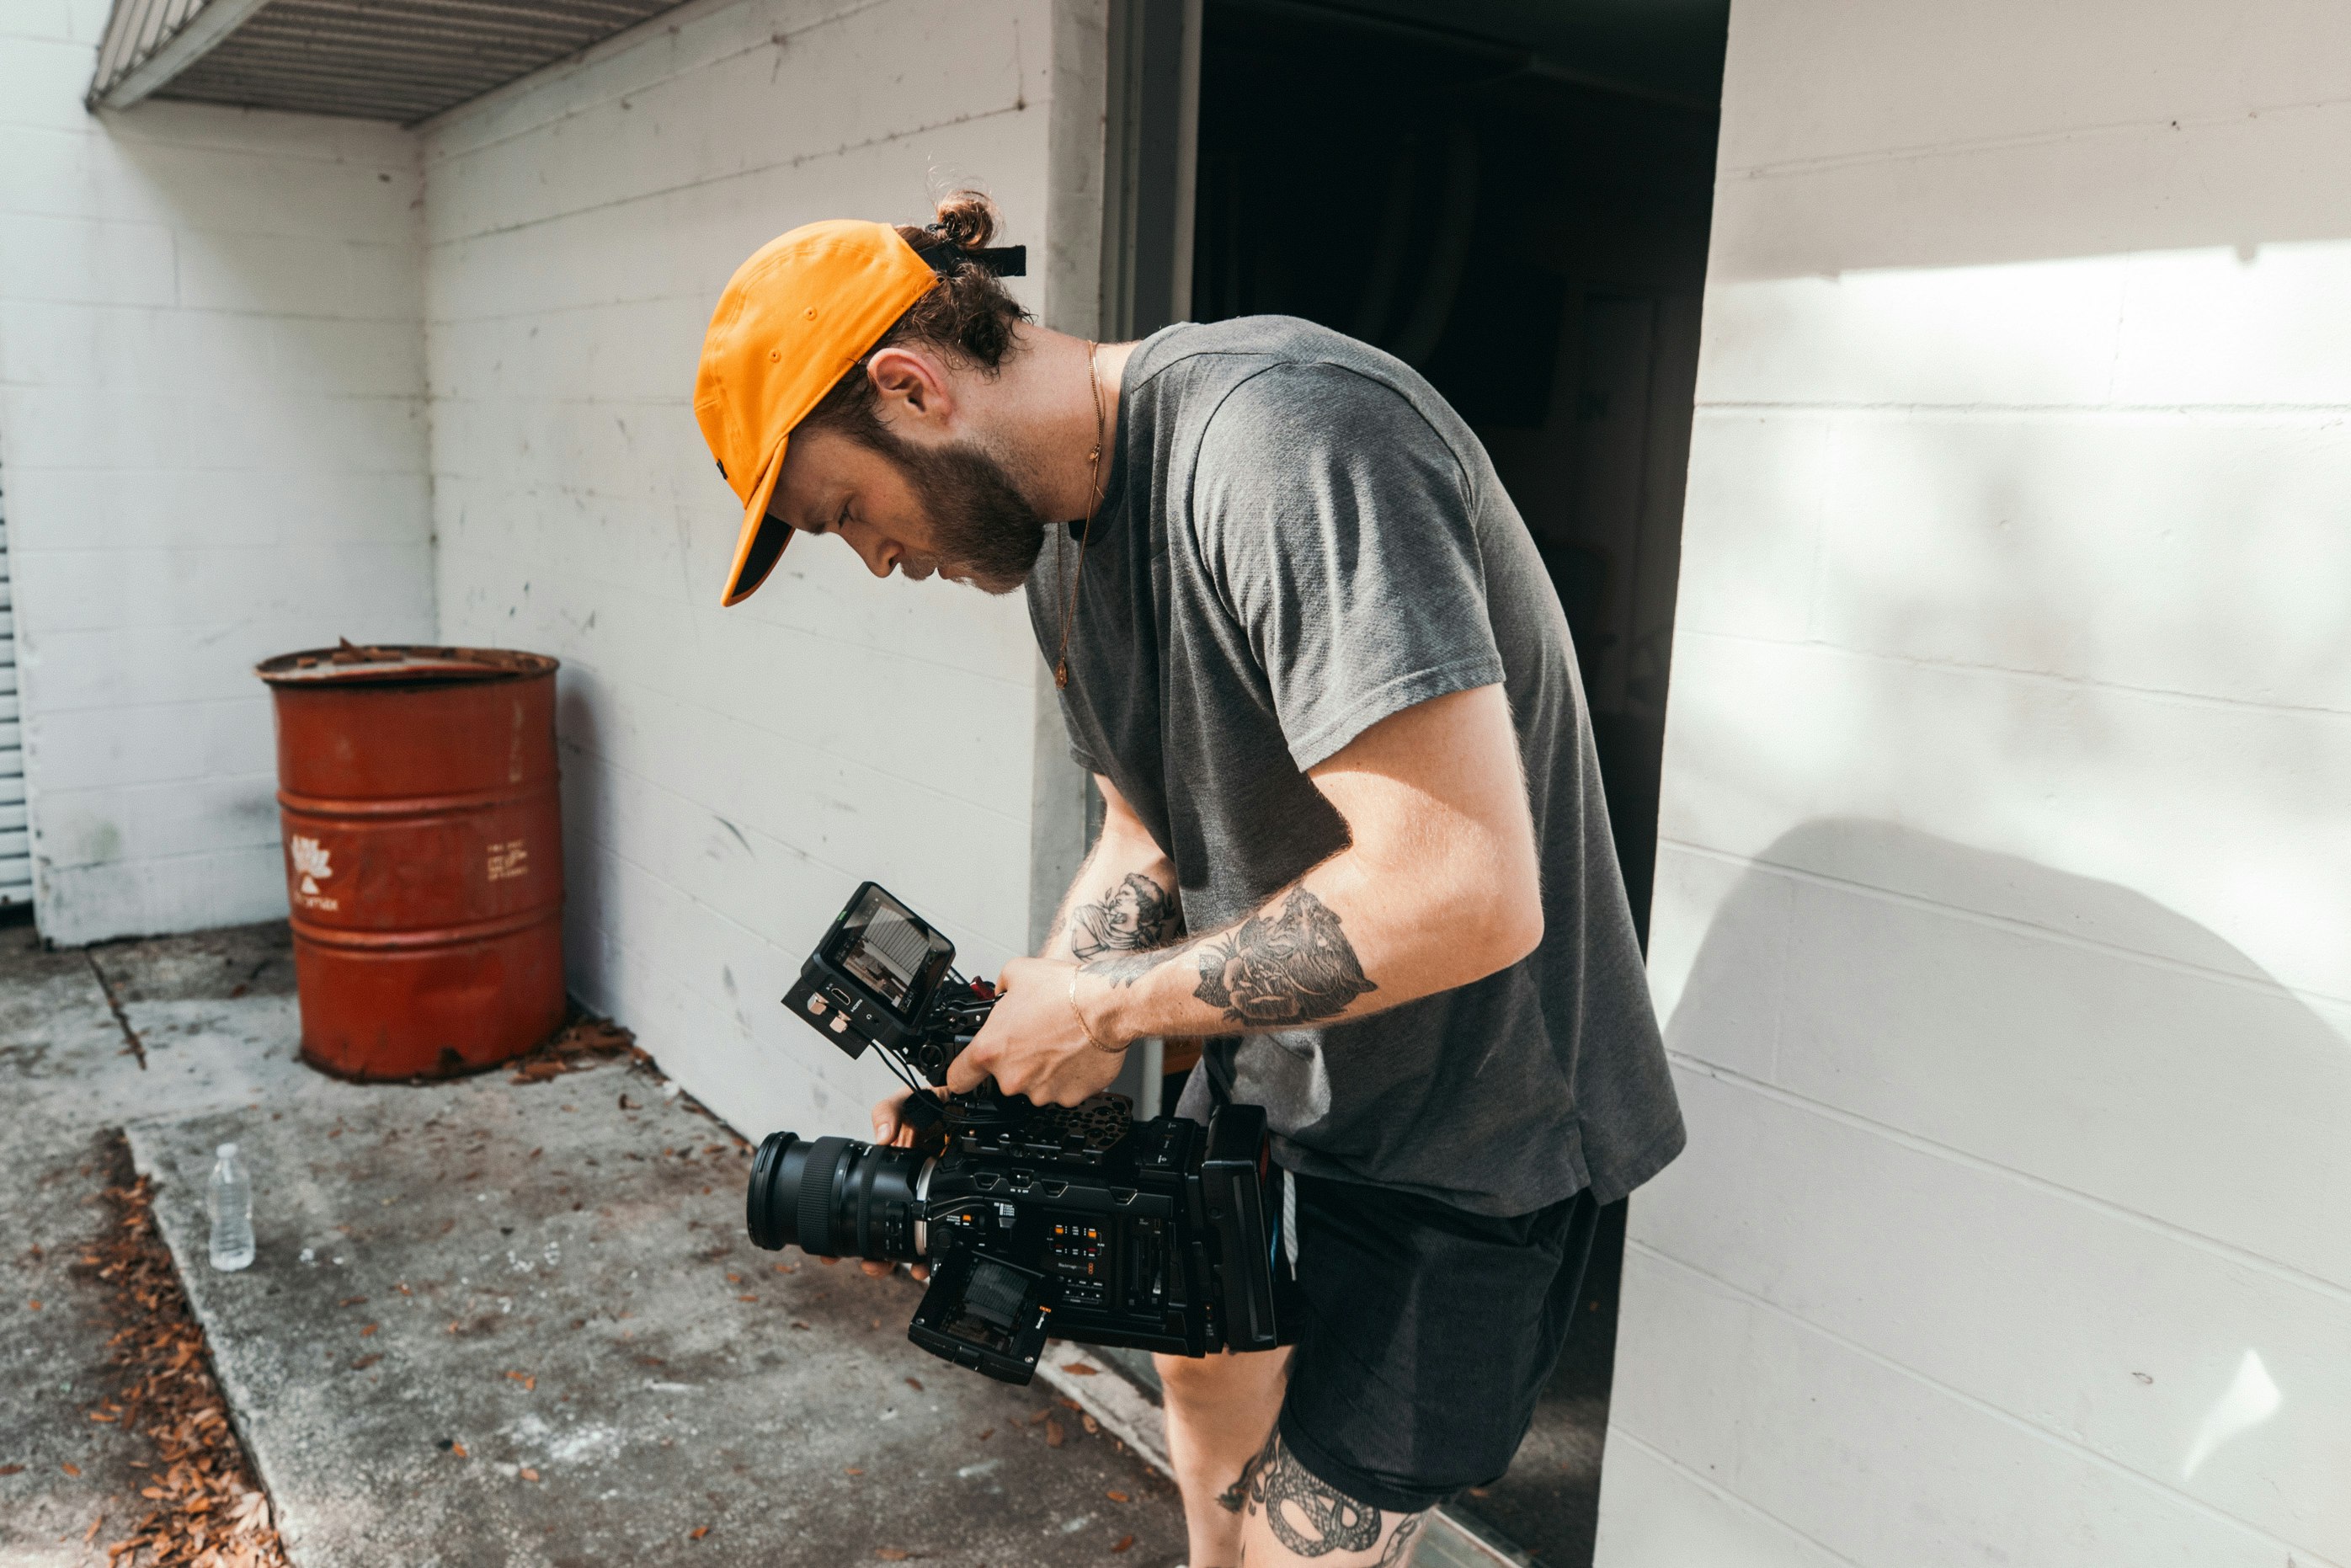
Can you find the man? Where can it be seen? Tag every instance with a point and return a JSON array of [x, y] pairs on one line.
[[1355, 829]]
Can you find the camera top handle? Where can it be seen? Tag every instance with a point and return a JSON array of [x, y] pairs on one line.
[[885, 976]]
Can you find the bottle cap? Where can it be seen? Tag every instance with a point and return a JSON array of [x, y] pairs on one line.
[[228, 1151]]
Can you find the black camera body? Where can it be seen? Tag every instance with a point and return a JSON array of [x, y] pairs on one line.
[[1080, 1222]]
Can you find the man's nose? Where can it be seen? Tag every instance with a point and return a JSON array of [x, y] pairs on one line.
[[879, 555]]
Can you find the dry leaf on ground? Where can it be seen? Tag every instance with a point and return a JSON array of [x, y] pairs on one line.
[[209, 1511]]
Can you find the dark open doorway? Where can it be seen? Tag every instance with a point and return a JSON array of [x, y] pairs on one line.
[[1513, 196]]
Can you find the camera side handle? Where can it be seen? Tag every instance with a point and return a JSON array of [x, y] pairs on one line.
[[1231, 1181]]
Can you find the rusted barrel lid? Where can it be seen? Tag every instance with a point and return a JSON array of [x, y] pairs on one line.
[[397, 664]]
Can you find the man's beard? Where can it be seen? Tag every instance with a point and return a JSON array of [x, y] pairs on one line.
[[986, 533]]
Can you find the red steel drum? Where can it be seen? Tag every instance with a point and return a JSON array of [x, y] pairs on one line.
[[424, 855]]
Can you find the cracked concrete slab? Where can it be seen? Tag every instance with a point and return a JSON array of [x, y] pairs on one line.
[[88, 1039], [546, 1270], [554, 1279], [59, 1470]]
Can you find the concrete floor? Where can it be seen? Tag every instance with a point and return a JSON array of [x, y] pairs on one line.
[[552, 1277]]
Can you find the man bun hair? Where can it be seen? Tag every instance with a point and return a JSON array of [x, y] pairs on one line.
[[968, 316], [966, 217]]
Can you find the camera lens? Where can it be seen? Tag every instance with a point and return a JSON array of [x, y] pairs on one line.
[[834, 1197]]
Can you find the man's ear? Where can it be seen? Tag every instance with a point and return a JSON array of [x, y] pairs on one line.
[[912, 387]]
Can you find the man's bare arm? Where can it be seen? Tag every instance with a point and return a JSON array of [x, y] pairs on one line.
[[1123, 899], [1440, 885]]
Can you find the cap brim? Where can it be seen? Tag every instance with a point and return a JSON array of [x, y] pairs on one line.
[[763, 538]]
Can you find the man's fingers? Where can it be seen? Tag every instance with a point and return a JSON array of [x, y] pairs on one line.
[[877, 1269], [969, 1070]]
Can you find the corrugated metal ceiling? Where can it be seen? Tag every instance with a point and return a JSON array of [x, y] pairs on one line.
[[374, 60]]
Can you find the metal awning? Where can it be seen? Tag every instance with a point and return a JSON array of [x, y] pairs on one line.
[[372, 60]]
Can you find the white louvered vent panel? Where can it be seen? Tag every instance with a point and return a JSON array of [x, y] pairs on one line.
[[15, 835]]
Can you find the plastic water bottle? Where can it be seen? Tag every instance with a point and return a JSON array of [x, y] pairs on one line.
[[231, 1196]]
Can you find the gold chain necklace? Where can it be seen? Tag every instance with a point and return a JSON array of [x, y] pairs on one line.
[[1093, 504]]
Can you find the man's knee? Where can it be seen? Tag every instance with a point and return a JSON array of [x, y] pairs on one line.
[[1215, 1379]]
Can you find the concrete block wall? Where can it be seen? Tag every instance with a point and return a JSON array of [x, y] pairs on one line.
[[730, 776], [2003, 920], [212, 447]]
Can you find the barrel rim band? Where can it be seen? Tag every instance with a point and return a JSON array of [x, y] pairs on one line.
[[435, 937], [416, 805]]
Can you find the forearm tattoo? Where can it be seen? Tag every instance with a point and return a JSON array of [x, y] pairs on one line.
[[1308, 1515], [1290, 967], [1135, 915], [1125, 968]]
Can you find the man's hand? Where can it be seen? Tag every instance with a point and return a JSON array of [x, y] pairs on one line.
[[891, 1126], [1033, 1044]]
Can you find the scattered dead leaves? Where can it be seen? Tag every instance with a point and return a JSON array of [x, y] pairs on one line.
[[209, 1511], [1123, 1542], [582, 1042]]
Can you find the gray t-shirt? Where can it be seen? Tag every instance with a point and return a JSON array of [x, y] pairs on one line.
[[1300, 539]]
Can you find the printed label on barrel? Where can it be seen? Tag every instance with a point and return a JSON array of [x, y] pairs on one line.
[[508, 859], [312, 865]]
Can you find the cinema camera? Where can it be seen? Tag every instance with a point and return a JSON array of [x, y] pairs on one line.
[[1077, 1221]]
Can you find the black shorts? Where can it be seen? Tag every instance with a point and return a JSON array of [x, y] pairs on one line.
[[1423, 1335]]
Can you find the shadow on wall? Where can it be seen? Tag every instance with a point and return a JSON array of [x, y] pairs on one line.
[[1870, 976], [2050, 1023]]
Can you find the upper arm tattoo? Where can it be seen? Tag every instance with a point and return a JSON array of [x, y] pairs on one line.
[[1290, 967], [1136, 913]]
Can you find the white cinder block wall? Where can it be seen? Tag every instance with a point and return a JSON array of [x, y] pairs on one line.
[[2003, 915], [212, 449], [731, 775]]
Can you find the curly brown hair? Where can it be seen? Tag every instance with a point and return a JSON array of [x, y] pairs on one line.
[[968, 316]]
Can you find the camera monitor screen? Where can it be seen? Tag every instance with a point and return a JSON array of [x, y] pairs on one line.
[[890, 949]]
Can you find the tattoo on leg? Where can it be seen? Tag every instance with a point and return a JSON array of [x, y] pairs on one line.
[[1234, 1498], [1136, 913], [1310, 1517], [1400, 1543], [1292, 967]]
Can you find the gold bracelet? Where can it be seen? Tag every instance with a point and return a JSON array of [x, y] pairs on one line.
[[1079, 1013]]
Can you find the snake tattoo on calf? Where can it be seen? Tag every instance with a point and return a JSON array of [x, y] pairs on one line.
[[1308, 1515]]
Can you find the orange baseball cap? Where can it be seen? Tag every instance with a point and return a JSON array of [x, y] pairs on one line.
[[803, 310]]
